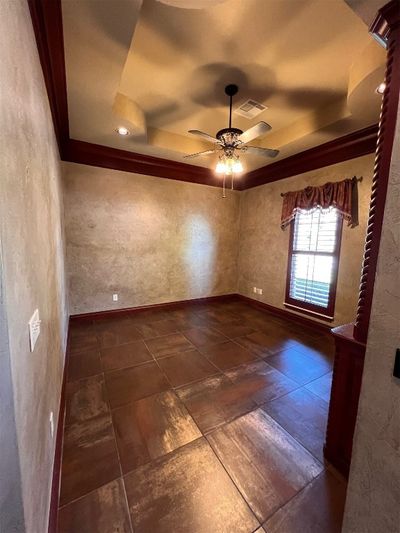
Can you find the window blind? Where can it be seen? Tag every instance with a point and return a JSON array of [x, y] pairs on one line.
[[313, 256]]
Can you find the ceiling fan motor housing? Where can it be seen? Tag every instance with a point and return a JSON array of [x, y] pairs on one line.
[[229, 136]]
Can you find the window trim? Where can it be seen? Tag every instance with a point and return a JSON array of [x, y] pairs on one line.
[[322, 313]]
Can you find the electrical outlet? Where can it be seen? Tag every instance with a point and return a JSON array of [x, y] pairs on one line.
[[51, 420], [34, 329], [255, 290], [115, 297], [259, 291]]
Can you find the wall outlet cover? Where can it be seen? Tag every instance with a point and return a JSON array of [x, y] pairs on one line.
[[115, 297], [34, 329]]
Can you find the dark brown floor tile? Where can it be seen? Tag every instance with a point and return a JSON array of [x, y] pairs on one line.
[[214, 401], [218, 316], [159, 328], [152, 427], [90, 457], [267, 465], [133, 383], [320, 349], [316, 509], [186, 491], [103, 511], [124, 355], [83, 340], [200, 337], [228, 354], [303, 415], [147, 316], [232, 330], [260, 382], [85, 399], [112, 332], [299, 366], [186, 367], [264, 344], [168, 344], [322, 387], [84, 365]]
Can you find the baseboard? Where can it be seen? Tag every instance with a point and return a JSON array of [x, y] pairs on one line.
[[56, 478], [166, 305], [284, 313]]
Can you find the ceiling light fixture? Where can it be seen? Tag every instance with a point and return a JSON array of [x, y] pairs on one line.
[[231, 142], [381, 88], [122, 131]]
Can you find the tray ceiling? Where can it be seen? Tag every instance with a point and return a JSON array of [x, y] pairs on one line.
[[171, 66]]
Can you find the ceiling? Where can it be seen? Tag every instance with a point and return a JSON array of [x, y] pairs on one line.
[[161, 70]]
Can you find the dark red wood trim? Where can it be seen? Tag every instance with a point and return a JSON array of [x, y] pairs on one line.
[[56, 478], [388, 17], [345, 393], [356, 144], [328, 313], [166, 305], [47, 23], [283, 313], [106, 157]]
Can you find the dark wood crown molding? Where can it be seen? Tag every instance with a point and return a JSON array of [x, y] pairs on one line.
[[47, 23], [106, 157], [357, 144]]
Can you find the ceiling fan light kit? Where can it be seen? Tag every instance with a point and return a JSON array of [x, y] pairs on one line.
[[231, 142]]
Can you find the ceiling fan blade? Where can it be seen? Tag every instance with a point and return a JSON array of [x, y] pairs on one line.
[[205, 135], [256, 131], [257, 150], [197, 154]]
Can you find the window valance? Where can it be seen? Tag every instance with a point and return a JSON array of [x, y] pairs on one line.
[[343, 195]]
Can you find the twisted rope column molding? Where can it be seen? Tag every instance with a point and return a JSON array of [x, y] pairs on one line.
[[350, 339], [386, 29]]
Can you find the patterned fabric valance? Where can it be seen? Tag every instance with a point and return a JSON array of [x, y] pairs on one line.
[[343, 195]]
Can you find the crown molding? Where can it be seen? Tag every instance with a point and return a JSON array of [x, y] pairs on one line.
[[47, 23], [349, 146], [106, 157]]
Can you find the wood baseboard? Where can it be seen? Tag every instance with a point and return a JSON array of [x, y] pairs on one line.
[[56, 477], [282, 313], [166, 305]]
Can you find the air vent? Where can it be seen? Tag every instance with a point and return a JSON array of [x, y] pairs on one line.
[[250, 109]]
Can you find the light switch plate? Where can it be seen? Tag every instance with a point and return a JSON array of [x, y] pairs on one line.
[[34, 329]]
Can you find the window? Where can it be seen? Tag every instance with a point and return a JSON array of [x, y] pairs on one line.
[[313, 262]]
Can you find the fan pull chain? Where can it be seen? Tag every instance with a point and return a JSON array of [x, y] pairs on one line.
[[232, 182], [223, 187]]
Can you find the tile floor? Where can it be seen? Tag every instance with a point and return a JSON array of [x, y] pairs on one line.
[[203, 418]]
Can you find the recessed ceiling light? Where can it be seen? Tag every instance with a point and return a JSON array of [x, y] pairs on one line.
[[381, 88], [122, 131]]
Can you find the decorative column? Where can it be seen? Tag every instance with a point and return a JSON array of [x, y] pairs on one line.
[[350, 339]]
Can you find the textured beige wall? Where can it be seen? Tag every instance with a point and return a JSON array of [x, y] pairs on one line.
[[263, 246], [374, 489], [148, 239], [32, 254]]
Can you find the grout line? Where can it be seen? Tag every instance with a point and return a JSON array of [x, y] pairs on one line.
[[234, 484]]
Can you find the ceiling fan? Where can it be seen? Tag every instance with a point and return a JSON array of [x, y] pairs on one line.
[[232, 142]]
